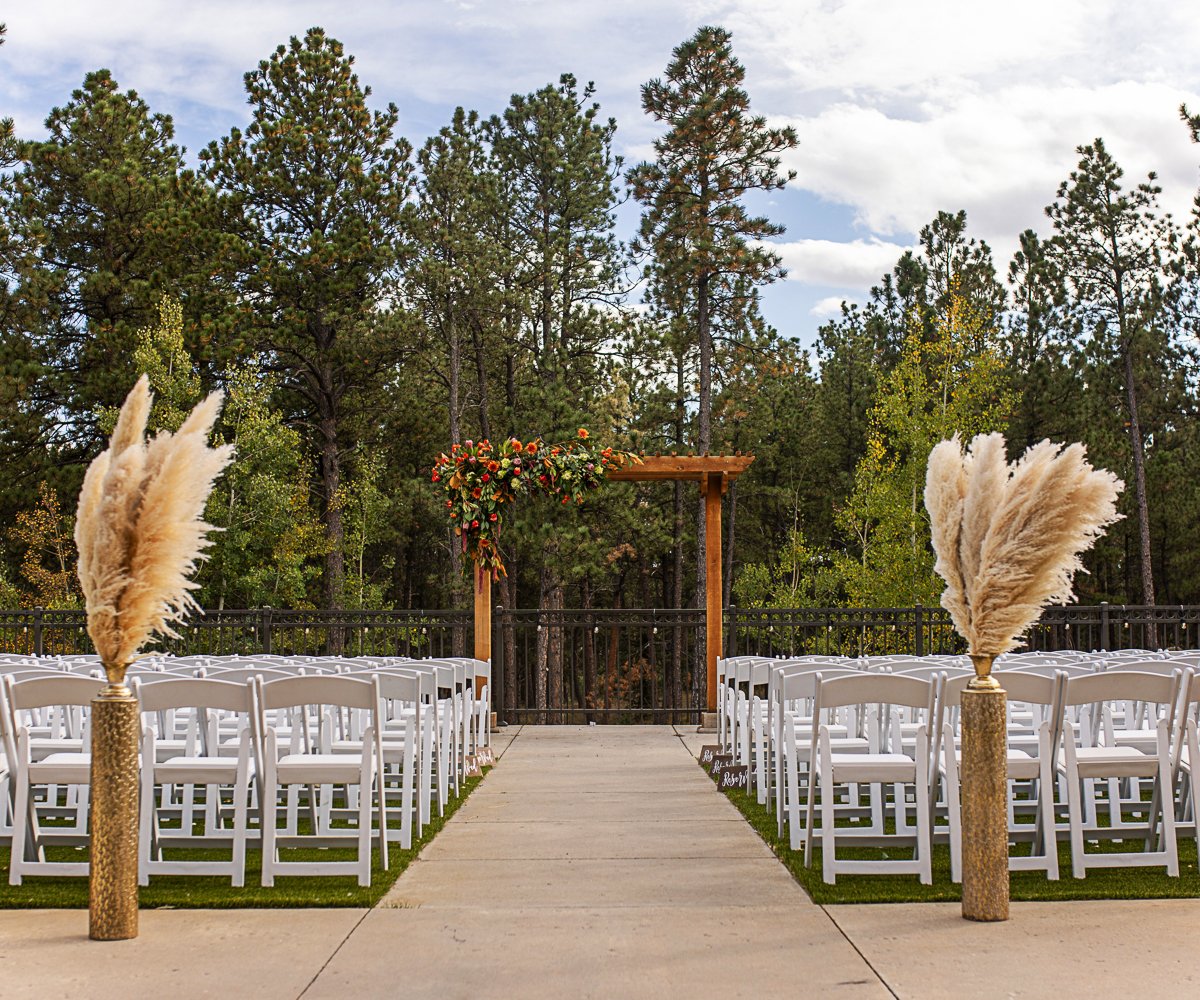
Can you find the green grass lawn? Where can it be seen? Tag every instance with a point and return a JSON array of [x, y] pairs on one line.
[[1101, 883], [215, 892]]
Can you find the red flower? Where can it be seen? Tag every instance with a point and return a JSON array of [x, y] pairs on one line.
[[474, 524], [491, 517], [486, 477], [449, 503], [566, 499], [436, 478], [516, 470]]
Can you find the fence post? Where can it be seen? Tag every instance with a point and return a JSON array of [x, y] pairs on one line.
[[265, 628], [37, 630], [920, 640], [1104, 624]]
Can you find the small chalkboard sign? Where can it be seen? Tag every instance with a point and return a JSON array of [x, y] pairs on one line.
[[734, 776], [473, 768], [719, 761], [707, 753]]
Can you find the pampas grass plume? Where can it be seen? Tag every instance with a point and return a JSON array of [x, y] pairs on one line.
[[1008, 537], [139, 529]]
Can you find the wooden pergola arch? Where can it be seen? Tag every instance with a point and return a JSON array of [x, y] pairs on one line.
[[714, 473]]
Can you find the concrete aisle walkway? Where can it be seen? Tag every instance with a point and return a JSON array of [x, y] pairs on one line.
[[601, 862]]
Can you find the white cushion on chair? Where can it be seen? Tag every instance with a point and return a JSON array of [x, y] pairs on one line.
[[1113, 762], [866, 767], [318, 769], [67, 768]]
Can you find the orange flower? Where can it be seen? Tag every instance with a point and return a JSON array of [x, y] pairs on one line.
[[583, 433], [531, 448]]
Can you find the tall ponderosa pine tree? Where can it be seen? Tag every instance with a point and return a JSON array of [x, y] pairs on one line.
[[553, 152], [714, 153], [696, 223], [104, 221], [319, 184], [1114, 252], [8, 152], [456, 285]]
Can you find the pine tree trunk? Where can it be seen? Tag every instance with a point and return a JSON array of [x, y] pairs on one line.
[[677, 561], [508, 636], [331, 481], [551, 637], [703, 445], [589, 653], [1139, 478], [458, 589], [727, 589]]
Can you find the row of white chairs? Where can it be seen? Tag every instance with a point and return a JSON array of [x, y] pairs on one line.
[[342, 750], [868, 752]]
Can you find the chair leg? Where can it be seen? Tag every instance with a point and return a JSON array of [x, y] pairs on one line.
[[924, 833], [792, 798], [145, 834], [828, 849], [241, 792], [21, 820], [269, 818], [1074, 812], [364, 829], [1049, 837], [1168, 813]]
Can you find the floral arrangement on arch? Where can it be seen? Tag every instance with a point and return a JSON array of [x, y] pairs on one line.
[[482, 479]]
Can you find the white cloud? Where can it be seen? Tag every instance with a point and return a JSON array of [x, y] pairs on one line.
[[902, 108], [999, 155], [828, 307], [853, 264]]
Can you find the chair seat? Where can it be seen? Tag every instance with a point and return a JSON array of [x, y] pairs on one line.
[[42, 747], [197, 770], [318, 768], [1021, 766], [1145, 740], [68, 768], [1112, 762], [866, 767]]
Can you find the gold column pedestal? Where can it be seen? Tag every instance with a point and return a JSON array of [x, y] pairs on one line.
[[984, 791], [113, 888]]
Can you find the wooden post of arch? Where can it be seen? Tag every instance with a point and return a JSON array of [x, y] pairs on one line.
[[714, 473], [483, 619]]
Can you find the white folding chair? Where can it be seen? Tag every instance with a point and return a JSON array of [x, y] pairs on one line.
[[885, 764], [71, 766], [196, 767], [1097, 757], [1035, 770], [307, 763]]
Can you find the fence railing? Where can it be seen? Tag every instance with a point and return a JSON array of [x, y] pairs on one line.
[[599, 665]]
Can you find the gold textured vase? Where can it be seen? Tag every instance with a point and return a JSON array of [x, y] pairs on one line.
[[113, 886], [984, 791]]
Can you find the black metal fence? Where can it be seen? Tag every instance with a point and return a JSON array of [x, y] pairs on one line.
[[921, 631], [261, 630], [624, 665], [575, 666]]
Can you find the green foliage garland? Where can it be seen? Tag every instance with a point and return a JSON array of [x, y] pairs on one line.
[[480, 480]]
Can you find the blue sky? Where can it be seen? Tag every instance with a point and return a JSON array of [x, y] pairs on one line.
[[902, 108]]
